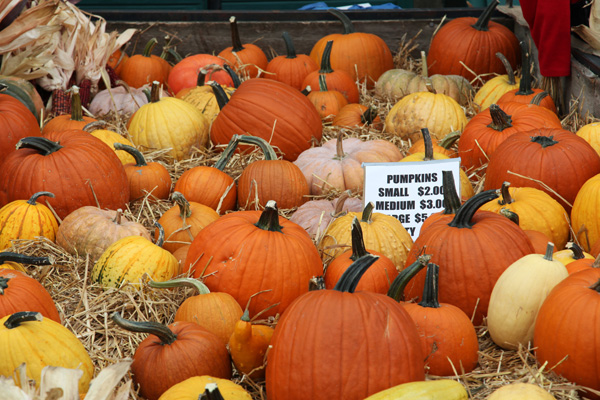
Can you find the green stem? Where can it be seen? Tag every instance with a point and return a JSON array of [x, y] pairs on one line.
[[322, 83], [396, 290], [23, 259], [235, 35], [513, 216], [264, 146], [163, 332], [234, 77], [537, 99], [76, 109], [367, 213], [358, 242], [351, 276], [482, 23], [348, 27], [185, 211], [509, 69], [140, 161], [161, 234], [227, 153], [544, 141], [289, 45], [200, 287], [451, 200], [525, 86], [220, 94], [430, 291], [42, 145], [326, 59], [549, 251], [33, 200], [149, 47], [269, 219], [465, 213], [448, 140], [16, 319]]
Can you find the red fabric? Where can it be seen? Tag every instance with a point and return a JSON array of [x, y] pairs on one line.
[[550, 25]]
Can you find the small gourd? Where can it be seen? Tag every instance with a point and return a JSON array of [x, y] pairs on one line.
[[520, 391], [194, 387], [442, 389], [518, 295]]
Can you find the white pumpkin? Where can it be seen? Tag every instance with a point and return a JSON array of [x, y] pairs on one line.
[[122, 99], [518, 295]]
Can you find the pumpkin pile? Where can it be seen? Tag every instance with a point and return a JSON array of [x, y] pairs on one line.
[[201, 227]]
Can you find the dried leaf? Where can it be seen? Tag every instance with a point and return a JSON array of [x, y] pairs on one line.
[[60, 380]]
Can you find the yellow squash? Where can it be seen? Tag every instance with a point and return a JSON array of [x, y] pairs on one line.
[[443, 389]]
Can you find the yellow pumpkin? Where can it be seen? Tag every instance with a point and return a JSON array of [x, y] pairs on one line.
[[443, 389], [110, 138], [520, 391], [439, 113], [584, 214], [518, 295], [169, 123], [537, 211], [571, 253], [381, 232], [26, 219], [129, 258], [28, 337], [192, 388], [591, 134]]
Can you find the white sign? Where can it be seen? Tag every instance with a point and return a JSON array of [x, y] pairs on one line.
[[409, 191]]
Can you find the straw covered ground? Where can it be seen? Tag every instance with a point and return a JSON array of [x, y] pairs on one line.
[[86, 308]]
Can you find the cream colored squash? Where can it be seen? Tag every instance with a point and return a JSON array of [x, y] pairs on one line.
[[521, 391], [518, 295]]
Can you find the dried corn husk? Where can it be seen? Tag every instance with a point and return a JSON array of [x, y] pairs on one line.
[[54, 41]]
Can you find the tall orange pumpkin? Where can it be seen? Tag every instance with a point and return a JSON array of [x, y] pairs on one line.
[[290, 68], [473, 42], [247, 58], [365, 56]]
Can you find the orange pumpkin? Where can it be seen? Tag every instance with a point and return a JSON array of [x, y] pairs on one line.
[[248, 59], [291, 68], [74, 120], [145, 68]]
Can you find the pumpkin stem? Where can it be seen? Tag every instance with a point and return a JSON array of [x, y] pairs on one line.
[[220, 94], [537, 99], [367, 213], [227, 153], [396, 290], [235, 35], [16, 319], [348, 27], [149, 47], [155, 92], [163, 332], [264, 146], [505, 197], [358, 242], [428, 143], [23, 259], [424, 71], [322, 83], [350, 278], [3, 284], [161, 234], [234, 77], [465, 213], [76, 109], [211, 392], [451, 200], [482, 23], [289, 45], [140, 161], [326, 59], [430, 291], [200, 287], [339, 148], [269, 219], [544, 141], [42, 145], [525, 86], [500, 119], [509, 69], [118, 216], [339, 205], [595, 286], [448, 140], [576, 249], [513, 216], [94, 125], [369, 115], [33, 199], [549, 251], [185, 210], [201, 79]]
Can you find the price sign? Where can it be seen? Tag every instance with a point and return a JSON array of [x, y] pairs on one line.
[[409, 191]]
